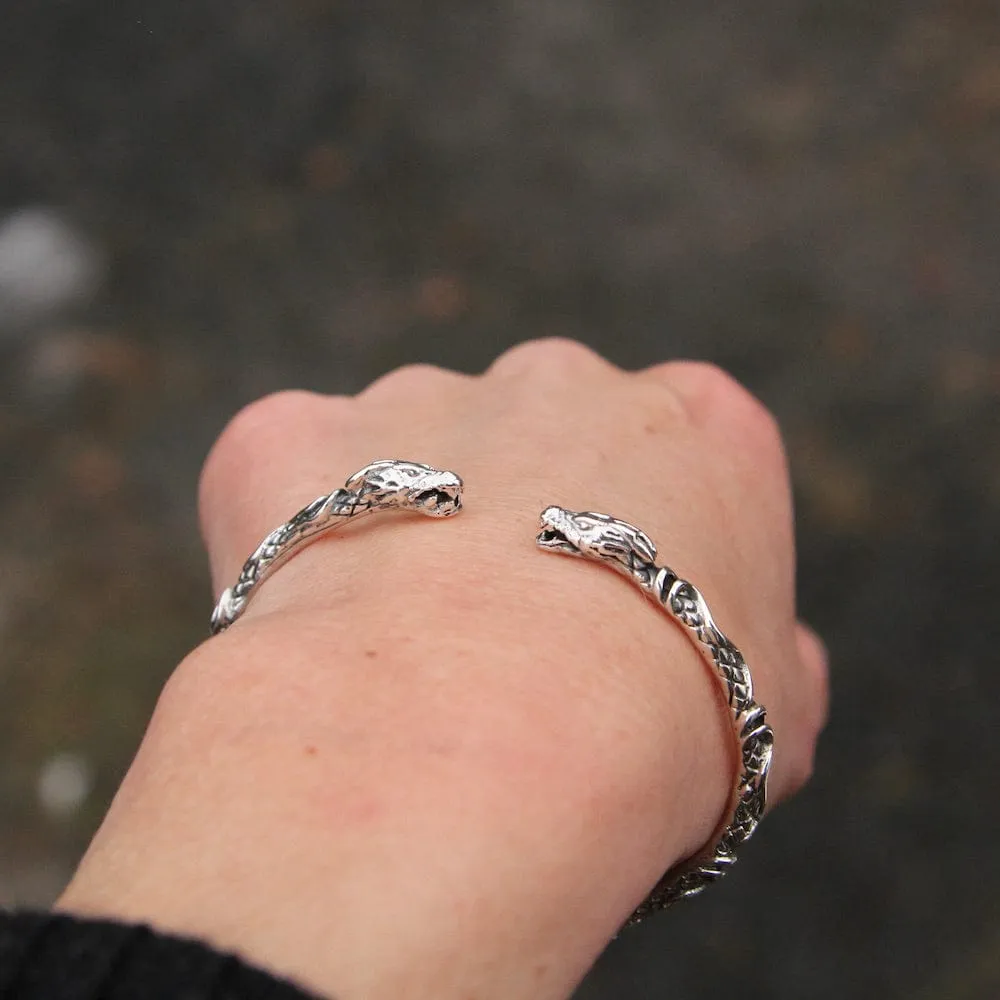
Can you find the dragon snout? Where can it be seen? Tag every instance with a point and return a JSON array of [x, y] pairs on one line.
[[442, 499], [554, 532]]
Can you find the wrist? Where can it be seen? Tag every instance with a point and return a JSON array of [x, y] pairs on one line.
[[386, 863], [431, 806]]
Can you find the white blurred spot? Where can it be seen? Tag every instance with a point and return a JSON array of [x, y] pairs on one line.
[[45, 266], [63, 784]]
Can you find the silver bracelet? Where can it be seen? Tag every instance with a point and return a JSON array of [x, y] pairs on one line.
[[382, 485], [627, 549]]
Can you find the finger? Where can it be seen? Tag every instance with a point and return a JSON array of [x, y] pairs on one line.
[[815, 659], [800, 711]]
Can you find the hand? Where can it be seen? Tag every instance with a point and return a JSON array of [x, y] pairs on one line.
[[430, 760]]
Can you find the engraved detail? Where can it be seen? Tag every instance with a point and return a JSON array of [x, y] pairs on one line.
[[629, 551], [382, 485]]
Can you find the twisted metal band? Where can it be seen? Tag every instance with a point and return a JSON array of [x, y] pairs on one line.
[[628, 550], [382, 485]]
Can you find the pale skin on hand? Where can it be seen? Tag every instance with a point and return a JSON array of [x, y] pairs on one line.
[[431, 761]]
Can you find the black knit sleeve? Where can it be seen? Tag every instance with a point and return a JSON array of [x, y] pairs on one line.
[[47, 956]]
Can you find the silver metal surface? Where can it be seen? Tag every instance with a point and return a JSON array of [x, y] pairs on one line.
[[631, 552], [382, 485]]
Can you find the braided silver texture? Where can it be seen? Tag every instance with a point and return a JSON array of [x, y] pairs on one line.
[[628, 550], [382, 485]]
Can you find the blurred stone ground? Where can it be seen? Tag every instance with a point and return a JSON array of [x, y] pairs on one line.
[[201, 203]]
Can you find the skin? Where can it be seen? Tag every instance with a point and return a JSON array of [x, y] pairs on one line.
[[431, 761]]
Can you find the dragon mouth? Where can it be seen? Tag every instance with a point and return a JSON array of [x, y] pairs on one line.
[[553, 539], [438, 502]]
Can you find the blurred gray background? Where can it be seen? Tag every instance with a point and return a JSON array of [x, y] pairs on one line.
[[200, 203]]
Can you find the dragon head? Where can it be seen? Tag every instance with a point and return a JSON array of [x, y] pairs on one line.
[[596, 536], [395, 483]]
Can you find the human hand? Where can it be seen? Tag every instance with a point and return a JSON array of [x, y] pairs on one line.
[[430, 761]]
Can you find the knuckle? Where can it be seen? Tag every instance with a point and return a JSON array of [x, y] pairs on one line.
[[713, 394], [409, 378], [257, 427], [659, 401], [277, 409], [709, 385], [548, 355]]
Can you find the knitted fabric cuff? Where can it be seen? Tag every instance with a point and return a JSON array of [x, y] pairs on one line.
[[49, 956]]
